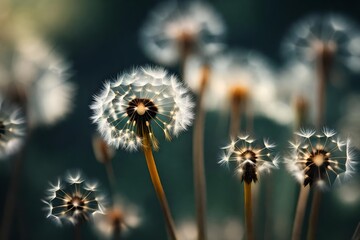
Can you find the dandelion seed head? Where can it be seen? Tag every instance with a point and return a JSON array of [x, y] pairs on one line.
[[331, 35], [318, 159], [251, 160], [174, 30], [39, 73], [137, 102], [12, 129], [73, 200]]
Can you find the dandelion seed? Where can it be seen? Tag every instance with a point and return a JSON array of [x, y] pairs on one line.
[[173, 32], [74, 200], [319, 159], [137, 102], [12, 129]]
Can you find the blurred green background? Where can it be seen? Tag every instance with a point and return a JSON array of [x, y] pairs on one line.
[[100, 39]]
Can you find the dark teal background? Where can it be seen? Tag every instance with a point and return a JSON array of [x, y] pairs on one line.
[[100, 39]]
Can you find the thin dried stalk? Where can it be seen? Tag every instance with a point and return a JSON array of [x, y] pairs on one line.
[[248, 211], [158, 187], [300, 212]]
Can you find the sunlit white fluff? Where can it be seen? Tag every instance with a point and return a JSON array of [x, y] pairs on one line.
[[246, 70], [41, 75], [73, 200], [320, 158], [250, 159], [196, 23], [335, 31], [12, 129], [170, 110]]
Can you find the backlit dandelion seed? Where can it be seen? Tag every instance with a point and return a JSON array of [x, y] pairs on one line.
[[320, 158], [250, 159], [137, 102], [173, 32], [12, 129], [74, 200], [331, 36]]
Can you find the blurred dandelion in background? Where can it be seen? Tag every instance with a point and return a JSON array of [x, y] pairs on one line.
[[321, 159], [39, 76], [172, 32], [244, 78], [333, 35], [117, 220], [73, 200], [12, 129], [128, 108]]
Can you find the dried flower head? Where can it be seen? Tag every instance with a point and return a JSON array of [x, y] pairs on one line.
[[250, 160], [128, 108], [117, 220], [173, 31], [332, 37], [74, 201], [317, 159], [38, 76], [12, 129]]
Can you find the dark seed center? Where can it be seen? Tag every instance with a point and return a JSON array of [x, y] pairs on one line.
[[76, 203]]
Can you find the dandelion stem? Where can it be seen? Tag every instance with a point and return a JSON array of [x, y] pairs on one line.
[[356, 235], [235, 119], [248, 211], [300, 212], [324, 61], [111, 177], [158, 186], [198, 159], [77, 232], [314, 215]]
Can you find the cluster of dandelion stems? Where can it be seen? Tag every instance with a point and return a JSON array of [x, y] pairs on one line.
[[324, 53]]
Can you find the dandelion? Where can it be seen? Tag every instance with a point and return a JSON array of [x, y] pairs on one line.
[[332, 37], [37, 77], [12, 129], [128, 110], [73, 200], [173, 32], [117, 220], [325, 42], [241, 82], [250, 162], [319, 159]]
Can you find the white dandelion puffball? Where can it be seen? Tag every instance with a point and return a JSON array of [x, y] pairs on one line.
[[73, 200], [173, 31], [251, 160], [319, 159], [41, 75], [333, 33], [12, 129], [131, 106], [235, 72]]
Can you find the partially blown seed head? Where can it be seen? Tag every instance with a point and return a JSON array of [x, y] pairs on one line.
[[250, 160], [320, 158], [74, 200], [131, 106]]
